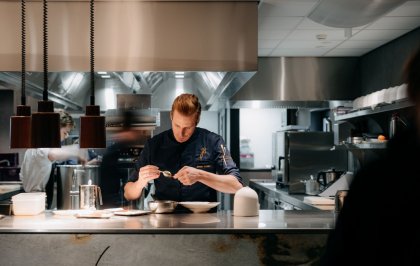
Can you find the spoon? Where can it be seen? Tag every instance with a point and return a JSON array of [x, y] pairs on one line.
[[166, 173]]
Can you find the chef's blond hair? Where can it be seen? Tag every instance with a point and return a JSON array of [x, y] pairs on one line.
[[187, 104]]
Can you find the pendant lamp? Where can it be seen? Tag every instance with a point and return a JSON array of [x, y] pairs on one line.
[[92, 125], [45, 122], [20, 124]]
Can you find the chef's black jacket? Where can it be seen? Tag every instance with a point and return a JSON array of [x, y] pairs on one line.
[[204, 150]]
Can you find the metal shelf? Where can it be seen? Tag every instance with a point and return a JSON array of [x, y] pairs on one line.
[[363, 146], [378, 109]]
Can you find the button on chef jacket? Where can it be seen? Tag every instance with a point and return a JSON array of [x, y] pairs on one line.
[[202, 151]]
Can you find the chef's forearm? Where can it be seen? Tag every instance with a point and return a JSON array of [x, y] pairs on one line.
[[133, 190], [222, 183], [65, 153]]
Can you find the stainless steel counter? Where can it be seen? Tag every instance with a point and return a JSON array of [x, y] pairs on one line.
[[269, 188], [272, 238], [269, 221]]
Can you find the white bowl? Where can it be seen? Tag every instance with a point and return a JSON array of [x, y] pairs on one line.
[[199, 206]]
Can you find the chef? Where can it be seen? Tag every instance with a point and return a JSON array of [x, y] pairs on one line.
[[198, 160], [37, 165]]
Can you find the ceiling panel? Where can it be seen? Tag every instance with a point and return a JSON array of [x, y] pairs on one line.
[[264, 44], [264, 52], [286, 21], [410, 8], [332, 35], [299, 52], [308, 44], [395, 23], [347, 52], [361, 44], [278, 23], [272, 34], [286, 8], [383, 35]]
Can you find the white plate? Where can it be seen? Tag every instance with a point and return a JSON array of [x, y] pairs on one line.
[[199, 206], [80, 213], [131, 212], [95, 215], [72, 212]]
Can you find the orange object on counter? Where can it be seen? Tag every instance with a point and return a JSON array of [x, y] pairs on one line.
[[381, 137]]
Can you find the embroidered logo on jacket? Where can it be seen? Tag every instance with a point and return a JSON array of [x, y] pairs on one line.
[[202, 153]]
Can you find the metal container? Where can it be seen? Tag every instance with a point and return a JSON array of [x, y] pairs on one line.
[[355, 140], [69, 180], [162, 206], [311, 186], [90, 197], [325, 178], [393, 126]]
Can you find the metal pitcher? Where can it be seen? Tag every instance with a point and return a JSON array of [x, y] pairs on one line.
[[311, 186], [90, 197]]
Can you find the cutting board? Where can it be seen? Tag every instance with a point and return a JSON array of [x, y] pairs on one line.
[[315, 200]]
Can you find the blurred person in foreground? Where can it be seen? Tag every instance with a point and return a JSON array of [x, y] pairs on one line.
[[198, 159], [37, 169], [377, 224], [113, 172]]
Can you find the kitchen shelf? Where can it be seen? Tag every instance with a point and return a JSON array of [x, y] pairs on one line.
[[363, 146], [378, 109]]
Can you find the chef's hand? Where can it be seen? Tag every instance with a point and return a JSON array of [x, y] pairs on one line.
[[148, 172], [188, 175], [82, 161]]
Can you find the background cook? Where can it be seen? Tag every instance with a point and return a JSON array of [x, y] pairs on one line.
[[37, 170]]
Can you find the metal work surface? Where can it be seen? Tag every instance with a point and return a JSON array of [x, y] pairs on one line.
[[295, 199], [223, 222], [272, 238], [161, 249]]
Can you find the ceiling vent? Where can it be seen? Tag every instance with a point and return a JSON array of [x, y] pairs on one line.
[[350, 14]]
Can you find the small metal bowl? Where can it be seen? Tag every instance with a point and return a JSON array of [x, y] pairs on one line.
[[355, 140], [162, 206]]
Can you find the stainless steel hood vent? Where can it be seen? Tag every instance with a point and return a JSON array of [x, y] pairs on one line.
[[70, 90], [299, 82]]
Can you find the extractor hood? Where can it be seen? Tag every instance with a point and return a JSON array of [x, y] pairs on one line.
[[299, 82], [130, 36], [70, 90]]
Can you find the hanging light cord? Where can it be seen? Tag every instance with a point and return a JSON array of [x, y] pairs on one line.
[[45, 48], [92, 52], [23, 20]]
